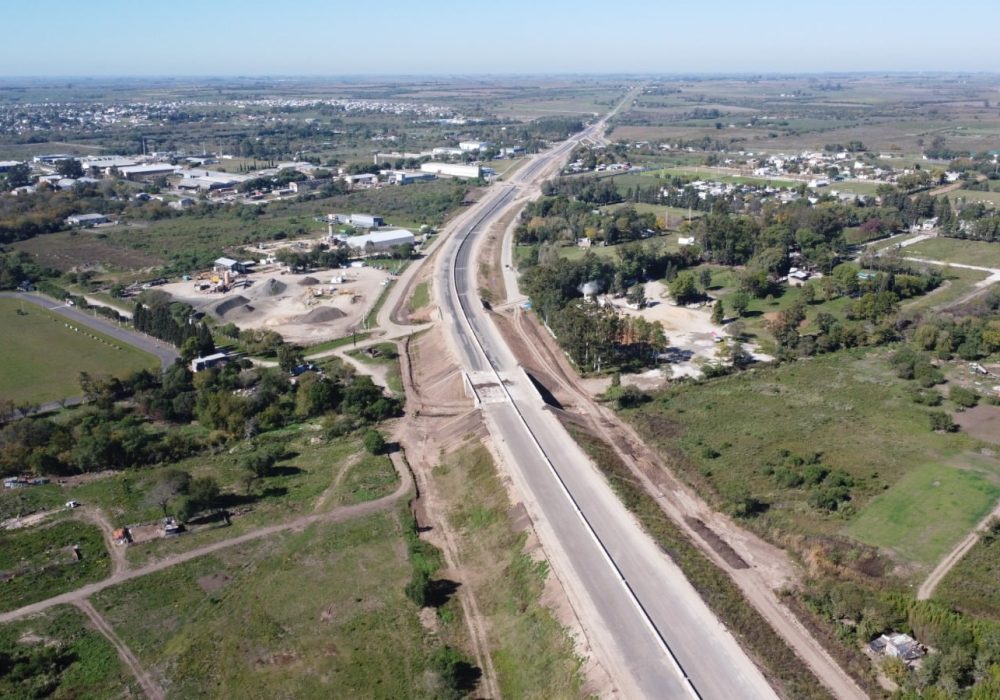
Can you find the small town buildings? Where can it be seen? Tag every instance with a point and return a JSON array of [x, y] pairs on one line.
[[473, 172], [6, 165], [86, 220], [304, 186]]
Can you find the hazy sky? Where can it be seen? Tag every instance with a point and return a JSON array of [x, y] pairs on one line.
[[337, 37]]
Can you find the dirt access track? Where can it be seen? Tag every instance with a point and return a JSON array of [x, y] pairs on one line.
[[304, 308]]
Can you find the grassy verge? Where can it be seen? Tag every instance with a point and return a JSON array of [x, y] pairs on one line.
[[337, 343], [43, 357], [421, 297], [56, 654], [40, 562], [781, 664], [532, 654], [721, 594]]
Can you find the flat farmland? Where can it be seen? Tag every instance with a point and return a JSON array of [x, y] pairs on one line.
[[43, 357]]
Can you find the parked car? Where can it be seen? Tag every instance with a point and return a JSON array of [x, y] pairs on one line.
[[72, 504]]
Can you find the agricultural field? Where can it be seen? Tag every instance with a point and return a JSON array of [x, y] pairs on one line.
[[791, 114], [29, 374], [336, 622], [776, 434]]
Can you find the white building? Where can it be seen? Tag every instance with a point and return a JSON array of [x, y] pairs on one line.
[[405, 177], [474, 146], [452, 169], [143, 172], [381, 241], [86, 220]]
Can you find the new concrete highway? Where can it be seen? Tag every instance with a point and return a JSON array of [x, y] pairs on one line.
[[646, 623]]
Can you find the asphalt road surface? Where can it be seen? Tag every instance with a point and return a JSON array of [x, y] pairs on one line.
[[646, 623]]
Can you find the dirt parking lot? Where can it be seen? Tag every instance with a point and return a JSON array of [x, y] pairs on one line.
[[303, 308], [692, 336]]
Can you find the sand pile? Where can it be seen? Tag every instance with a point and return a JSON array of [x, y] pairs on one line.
[[323, 314], [273, 287], [307, 281], [233, 307]]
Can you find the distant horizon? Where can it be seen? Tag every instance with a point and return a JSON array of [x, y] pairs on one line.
[[315, 38], [874, 72]]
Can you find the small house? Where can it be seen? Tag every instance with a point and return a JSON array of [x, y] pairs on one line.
[[897, 645]]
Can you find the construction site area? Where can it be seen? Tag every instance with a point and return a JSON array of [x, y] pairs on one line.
[[304, 308]]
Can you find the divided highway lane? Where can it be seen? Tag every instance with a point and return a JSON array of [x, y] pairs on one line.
[[644, 619]]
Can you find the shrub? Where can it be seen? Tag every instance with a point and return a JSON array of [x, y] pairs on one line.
[[966, 398], [374, 442], [942, 422]]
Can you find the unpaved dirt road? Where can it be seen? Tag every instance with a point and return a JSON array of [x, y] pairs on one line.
[[152, 690], [336, 515], [926, 589]]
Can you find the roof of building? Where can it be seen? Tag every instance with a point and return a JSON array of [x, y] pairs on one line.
[[226, 262], [87, 217], [149, 168], [393, 236]]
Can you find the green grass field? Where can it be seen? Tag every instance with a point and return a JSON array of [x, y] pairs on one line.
[[847, 411], [927, 511], [41, 563], [43, 358], [955, 250], [316, 613]]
